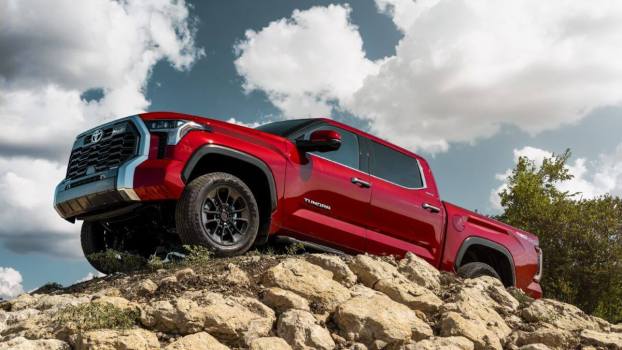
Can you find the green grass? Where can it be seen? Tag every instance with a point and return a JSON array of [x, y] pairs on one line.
[[90, 316]]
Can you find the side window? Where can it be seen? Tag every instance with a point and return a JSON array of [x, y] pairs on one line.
[[348, 152], [395, 166]]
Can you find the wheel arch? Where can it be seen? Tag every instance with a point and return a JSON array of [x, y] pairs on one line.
[[492, 253]]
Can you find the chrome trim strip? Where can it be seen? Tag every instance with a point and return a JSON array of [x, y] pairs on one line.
[[125, 176]]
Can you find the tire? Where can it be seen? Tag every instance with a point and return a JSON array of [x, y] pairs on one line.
[[477, 269], [92, 238], [219, 211]]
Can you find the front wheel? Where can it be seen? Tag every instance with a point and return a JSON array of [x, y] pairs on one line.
[[218, 210]]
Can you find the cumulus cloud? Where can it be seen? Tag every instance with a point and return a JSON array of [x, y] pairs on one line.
[[53, 53], [10, 283], [590, 179], [307, 62], [462, 70]]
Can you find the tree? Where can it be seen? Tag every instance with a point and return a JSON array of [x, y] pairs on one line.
[[581, 238]]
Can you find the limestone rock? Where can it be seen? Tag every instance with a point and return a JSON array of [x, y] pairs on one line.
[[560, 315], [444, 343], [374, 317], [606, 340], [197, 341], [420, 272], [307, 280], [282, 300], [146, 287], [386, 278], [536, 346], [180, 315], [453, 324], [132, 339], [184, 274], [336, 265], [548, 335], [235, 275], [118, 302], [269, 343], [21, 343], [22, 301], [301, 330]]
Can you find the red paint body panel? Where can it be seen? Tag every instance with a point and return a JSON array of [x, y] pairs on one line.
[[316, 200]]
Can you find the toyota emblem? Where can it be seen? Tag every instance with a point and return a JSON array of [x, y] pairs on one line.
[[97, 136]]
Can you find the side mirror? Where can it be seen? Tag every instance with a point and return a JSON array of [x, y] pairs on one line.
[[321, 141]]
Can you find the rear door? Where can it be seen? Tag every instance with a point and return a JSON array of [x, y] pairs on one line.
[[326, 194], [404, 216]]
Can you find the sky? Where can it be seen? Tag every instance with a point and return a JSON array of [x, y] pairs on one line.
[[470, 85]]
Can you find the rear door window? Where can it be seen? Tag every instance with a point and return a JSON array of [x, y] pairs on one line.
[[394, 166]]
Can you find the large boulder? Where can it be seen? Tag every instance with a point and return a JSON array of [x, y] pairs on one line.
[[302, 331], [197, 341], [601, 339], [560, 315], [282, 300], [269, 343], [105, 339], [336, 265], [21, 343], [420, 272], [372, 317], [384, 277], [548, 335], [307, 280], [232, 319], [453, 324], [443, 343]]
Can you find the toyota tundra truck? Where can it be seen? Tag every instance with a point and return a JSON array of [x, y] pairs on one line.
[[148, 182]]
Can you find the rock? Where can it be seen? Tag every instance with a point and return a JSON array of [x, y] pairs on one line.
[[307, 280], [197, 341], [549, 336], [146, 287], [109, 292], [616, 328], [232, 319], [444, 343], [236, 276], [385, 278], [372, 317], [118, 302], [21, 343], [336, 265], [420, 272], [560, 315], [28, 323], [168, 280], [56, 302], [601, 339], [300, 329], [23, 301], [490, 292], [282, 300], [453, 324], [184, 274], [269, 343], [105, 339], [536, 346]]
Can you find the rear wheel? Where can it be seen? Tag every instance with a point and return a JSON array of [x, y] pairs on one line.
[[218, 210], [477, 269]]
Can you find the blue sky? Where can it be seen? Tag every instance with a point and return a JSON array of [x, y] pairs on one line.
[[459, 85]]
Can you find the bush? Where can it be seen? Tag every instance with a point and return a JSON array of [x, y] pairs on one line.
[[581, 238], [112, 260], [90, 316]]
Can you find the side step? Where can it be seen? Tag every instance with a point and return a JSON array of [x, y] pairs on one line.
[[310, 245]]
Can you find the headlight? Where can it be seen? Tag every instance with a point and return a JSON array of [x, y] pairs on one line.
[[175, 130]]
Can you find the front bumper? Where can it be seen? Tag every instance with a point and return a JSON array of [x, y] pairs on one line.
[[107, 189], [534, 290]]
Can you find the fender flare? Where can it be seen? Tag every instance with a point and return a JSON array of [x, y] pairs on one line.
[[471, 241], [233, 153]]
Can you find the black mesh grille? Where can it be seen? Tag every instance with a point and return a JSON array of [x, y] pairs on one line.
[[110, 152]]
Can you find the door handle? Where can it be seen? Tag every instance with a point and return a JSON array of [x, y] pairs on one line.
[[431, 208], [361, 183]]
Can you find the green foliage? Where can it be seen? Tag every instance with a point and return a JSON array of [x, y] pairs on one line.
[[89, 316], [197, 254], [581, 238], [112, 260]]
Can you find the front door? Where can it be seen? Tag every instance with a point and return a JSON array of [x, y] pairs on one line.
[[326, 194], [403, 213]]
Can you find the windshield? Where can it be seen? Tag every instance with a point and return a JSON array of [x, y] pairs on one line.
[[286, 127]]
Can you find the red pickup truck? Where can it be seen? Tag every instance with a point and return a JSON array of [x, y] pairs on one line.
[[150, 181]]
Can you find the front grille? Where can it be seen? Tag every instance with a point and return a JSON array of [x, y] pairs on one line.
[[111, 151]]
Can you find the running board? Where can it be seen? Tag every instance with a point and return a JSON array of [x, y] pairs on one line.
[[311, 245]]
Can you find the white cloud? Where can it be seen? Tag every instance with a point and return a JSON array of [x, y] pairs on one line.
[[590, 179], [10, 283], [248, 125], [461, 71], [89, 276], [306, 62], [54, 52]]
